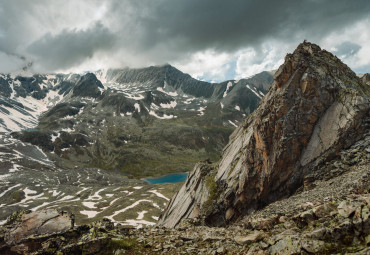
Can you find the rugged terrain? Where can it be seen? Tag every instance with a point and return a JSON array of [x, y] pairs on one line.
[[316, 108], [73, 141], [294, 179], [142, 122]]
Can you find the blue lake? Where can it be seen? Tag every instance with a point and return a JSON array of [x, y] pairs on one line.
[[170, 178]]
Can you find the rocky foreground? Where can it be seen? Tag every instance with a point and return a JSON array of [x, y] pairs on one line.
[[327, 216], [318, 221]]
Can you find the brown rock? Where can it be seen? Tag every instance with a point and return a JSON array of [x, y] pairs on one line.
[[251, 238], [270, 154], [265, 223]]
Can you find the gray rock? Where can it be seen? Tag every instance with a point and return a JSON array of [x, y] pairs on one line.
[[251, 238], [38, 223], [318, 233], [346, 208]]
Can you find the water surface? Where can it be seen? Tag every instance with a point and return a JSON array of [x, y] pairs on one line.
[[170, 178]]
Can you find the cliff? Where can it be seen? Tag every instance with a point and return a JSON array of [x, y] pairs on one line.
[[315, 108]]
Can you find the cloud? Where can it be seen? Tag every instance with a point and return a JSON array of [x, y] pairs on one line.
[[206, 38], [70, 47]]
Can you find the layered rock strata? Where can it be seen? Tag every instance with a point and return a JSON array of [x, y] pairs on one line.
[[315, 108]]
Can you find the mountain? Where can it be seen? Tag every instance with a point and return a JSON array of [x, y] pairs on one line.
[[294, 179], [72, 141], [142, 122], [315, 109]]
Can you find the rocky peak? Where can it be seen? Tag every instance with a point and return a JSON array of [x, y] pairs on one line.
[[88, 86], [315, 107], [366, 78]]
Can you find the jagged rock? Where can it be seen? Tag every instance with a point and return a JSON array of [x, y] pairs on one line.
[[251, 238], [367, 239], [264, 223], [365, 217], [318, 233], [315, 108], [221, 250], [287, 245], [324, 210], [346, 208], [43, 222], [313, 246], [189, 198], [366, 78]]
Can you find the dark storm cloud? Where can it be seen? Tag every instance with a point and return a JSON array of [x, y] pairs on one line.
[[230, 25], [61, 34], [71, 47], [347, 49]]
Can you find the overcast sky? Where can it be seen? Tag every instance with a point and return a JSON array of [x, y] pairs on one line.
[[209, 39]]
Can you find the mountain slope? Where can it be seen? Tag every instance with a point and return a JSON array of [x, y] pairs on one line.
[[142, 122], [315, 108]]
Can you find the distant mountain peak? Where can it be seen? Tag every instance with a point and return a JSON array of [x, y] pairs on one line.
[[88, 86]]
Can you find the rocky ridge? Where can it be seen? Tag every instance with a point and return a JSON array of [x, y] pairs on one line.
[[315, 108]]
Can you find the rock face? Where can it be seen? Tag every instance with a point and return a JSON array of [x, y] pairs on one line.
[[38, 223], [52, 232], [315, 107], [366, 78]]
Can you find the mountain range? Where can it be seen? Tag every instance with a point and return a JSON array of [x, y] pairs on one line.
[[141, 122], [293, 178], [79, 142]]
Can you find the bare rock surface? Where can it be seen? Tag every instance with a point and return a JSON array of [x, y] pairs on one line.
[[38, 223], [316, 108]]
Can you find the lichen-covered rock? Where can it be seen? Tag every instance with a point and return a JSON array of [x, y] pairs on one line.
[[38, 223], [251, 238]]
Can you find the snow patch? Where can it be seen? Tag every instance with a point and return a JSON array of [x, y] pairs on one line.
[[229, 84], [159, 194], [232, 123]]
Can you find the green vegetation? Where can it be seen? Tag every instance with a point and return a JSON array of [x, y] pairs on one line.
[[125, 244], [213, 192], [18, 195]]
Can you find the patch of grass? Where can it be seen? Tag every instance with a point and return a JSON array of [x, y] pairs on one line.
[[214, 192], [125, 244]]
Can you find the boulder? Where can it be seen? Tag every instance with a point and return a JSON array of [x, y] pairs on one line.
[[251, 238], [346, 208], [44, 222]]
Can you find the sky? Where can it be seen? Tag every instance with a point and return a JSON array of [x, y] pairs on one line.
[[212, 40]]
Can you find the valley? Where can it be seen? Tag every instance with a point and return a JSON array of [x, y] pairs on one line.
[[85, 143]]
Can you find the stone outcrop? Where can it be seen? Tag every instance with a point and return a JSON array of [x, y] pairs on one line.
[[53, 232], [366, 78], [23, 226], [315, 108], [185, 204]]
